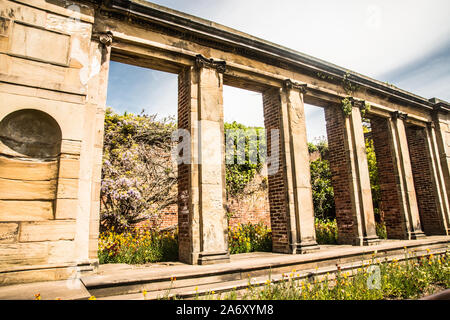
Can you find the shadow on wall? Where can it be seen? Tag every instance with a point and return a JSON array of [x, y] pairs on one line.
[[30, 146]]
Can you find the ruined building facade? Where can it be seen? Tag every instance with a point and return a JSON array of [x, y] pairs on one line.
[[54, 59]]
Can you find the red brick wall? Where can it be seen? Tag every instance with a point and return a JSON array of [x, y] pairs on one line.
[[253, 209], [388, 179], [250, 209], [277, 185], [184, 118], [423, 183], [340, 170]]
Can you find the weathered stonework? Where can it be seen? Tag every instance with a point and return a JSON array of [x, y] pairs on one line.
[[54, 68], [350, 177]]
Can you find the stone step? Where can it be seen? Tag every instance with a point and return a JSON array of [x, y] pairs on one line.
[[236, 274], [215, 289], [71, 289]]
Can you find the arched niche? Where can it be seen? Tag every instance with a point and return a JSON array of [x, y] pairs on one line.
[[31, 133], [30, 147]]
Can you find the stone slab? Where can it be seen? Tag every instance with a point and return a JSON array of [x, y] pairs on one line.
[[49, 290], [17, 210], [125, 281]]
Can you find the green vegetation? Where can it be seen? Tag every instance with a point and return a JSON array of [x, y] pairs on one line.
[[138, 181], [409, 279], [240, 171], [249, 238], [137, 246]]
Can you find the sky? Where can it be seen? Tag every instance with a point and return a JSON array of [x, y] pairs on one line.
[[406, 43]]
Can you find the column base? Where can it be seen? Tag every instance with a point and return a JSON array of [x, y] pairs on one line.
[[417, 235], [304, 247], [367, 241], [205, 258], [87, 266], [371, 241]]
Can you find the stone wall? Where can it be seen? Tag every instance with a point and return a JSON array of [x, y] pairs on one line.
[[52, 82]]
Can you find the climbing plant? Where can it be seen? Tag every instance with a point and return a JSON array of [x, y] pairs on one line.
[[138, 176], [239, 171], [346, 105]]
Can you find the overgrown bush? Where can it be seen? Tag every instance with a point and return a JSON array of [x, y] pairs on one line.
[[249, 238], [137, 246], [322, 190], [326, 231], [138, 177], [240, 169]]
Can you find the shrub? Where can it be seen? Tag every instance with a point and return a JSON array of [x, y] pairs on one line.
[[137, 246], [326, 231], [249, 238], [138, 176], [381, 230], [322, 190], [241, 171]]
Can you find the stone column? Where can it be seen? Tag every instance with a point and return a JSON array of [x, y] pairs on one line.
[[439, 177], [429, 181], [388, 178], [298, 179], [94, 127], [405, 184], [201, 188], [441, 120], [350, 176]]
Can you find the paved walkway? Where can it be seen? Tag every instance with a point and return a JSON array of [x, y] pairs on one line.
[[127, 281]]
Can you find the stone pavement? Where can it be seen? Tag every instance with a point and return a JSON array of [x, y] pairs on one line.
[[121, 281]]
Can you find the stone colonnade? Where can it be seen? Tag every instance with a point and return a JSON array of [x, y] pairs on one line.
[[201, 188], [54, 60], [413, 193]]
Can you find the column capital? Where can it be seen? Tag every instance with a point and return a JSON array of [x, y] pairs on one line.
[[399, 115], [202, 62], [440, 107], [430, 125], [361, 104], [105, 38], [288, 84]]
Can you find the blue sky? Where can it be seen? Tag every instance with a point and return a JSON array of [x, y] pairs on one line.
[[406, 43]]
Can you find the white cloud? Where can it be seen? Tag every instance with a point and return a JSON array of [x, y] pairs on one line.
[[369, 37]]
